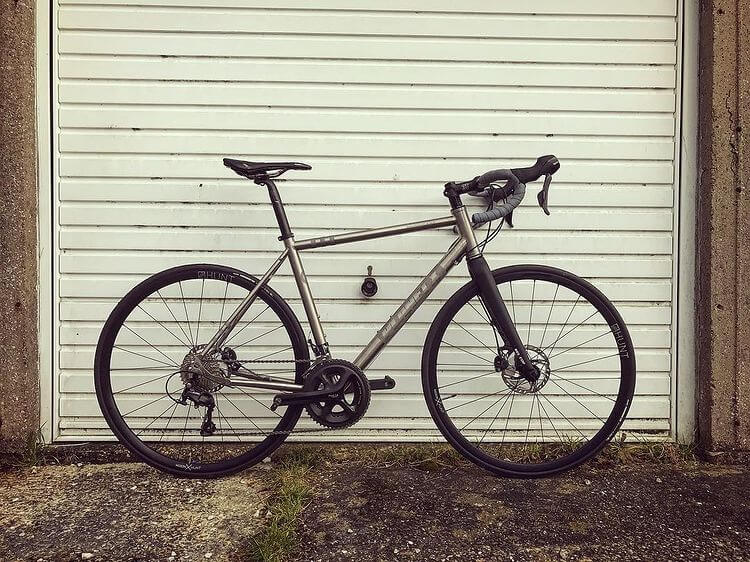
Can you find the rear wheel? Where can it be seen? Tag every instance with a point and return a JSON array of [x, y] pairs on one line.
[[529, 428], [146, 359]]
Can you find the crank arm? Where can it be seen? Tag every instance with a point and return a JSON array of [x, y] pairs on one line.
[[308, 396]]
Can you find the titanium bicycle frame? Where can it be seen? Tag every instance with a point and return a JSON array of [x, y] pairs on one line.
[[465, 240]]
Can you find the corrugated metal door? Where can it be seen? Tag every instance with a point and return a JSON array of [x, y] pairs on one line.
[[387, 100]]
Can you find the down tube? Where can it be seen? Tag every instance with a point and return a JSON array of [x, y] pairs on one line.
[[410, 305]]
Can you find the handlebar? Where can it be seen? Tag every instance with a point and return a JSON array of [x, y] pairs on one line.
[[514, 189]]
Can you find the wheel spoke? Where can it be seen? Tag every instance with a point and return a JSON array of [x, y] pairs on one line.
[[144, 405], [473, 336], [258, 401], [531, 311], [564, 416], [173, 406], [484, 411], [549, 418], [226, 419], [563, 326], [585, 388], [200, 309], [467, 380], [146, 357], [507, 418], [187, 316], [561, 369], [574, 327], [167, 357], [171, 415], [246, 325], [476, 399], [173, 317], [143, 383], [577, 400], [163, 326], [260, 336], [271, 354], [580, 344], [544, 333], [244, 414], [465, 351], [505, 401], [486, 318]]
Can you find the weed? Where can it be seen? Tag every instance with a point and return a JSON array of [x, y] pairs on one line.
[[30, 453], [291, 495]]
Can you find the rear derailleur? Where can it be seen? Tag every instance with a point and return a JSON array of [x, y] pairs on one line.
[[200, 399]]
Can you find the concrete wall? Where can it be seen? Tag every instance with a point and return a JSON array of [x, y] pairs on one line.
[[19, 378], [723, 319]]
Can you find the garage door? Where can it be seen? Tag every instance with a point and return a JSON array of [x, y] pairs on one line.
[[386, 100]]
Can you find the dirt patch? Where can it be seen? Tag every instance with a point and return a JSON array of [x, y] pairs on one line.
[[622, 513], [126, 512]]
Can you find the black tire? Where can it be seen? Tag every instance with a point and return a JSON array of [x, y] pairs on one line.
[[555, 452], [231, 454]]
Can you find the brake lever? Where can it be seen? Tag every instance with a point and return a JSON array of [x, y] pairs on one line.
[[543, 196]]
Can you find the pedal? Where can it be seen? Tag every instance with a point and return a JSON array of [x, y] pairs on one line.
[[386, 383]]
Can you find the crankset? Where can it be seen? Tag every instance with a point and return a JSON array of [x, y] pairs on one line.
[[336, 394]]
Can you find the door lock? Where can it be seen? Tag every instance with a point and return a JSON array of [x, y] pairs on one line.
[[369, 286]]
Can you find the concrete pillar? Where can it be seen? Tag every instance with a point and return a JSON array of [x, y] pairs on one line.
[[19, 373], [723, 259]]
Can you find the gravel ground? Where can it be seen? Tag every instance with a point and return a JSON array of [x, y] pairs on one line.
[[381, 512], [698, 512], [126, 512]]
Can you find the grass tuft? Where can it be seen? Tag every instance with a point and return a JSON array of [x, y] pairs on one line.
[[291, 494], [31, 452]]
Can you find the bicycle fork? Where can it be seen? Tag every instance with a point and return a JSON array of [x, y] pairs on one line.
[[493, 301]]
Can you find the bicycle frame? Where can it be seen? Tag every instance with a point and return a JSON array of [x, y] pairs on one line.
[[464, 244]]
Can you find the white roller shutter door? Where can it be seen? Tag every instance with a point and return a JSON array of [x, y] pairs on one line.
[[386, 100]]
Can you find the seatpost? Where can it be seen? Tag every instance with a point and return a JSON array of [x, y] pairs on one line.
[[278, 206]]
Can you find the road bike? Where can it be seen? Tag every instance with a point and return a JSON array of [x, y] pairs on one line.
[[203, 370]]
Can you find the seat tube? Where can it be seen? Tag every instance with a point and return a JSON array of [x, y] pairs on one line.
[[321, 345]]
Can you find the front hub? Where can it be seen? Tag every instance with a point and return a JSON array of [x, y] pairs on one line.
[[528, 379]]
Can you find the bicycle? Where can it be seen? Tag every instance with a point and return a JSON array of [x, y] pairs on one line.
[[204, 403]]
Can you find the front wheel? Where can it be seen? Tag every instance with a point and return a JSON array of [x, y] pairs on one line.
[[511, 425]]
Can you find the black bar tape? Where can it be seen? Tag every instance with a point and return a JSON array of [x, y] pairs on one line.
[[502, 210]]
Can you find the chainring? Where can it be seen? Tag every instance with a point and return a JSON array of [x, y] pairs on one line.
[[345, 407]]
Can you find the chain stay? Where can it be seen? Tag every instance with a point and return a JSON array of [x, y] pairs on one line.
[[288, 432]]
